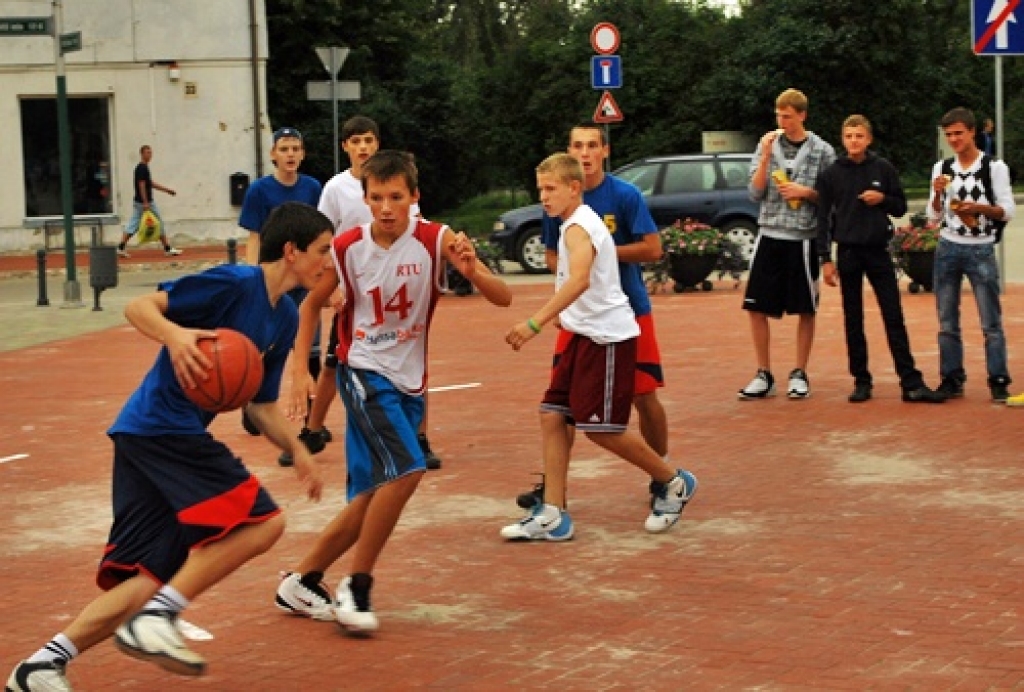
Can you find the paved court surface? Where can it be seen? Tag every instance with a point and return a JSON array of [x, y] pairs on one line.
[[830, 547]]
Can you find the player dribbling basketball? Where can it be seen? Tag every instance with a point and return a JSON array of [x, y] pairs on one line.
[[187, 512]]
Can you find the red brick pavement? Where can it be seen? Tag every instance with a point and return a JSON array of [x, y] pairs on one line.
[[831, 546], [150, 255]]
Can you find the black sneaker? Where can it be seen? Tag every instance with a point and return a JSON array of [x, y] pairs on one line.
[[924, 395], [432, 460], [531, 499], [314, 441], [951, 388], [249, 426], [861, 393], [999, 391]]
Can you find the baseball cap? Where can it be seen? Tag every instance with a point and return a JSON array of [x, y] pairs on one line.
[[287, 132]]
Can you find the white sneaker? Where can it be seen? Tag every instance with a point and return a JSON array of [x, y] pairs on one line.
[[295, 597], [669, 500], [172, 252], [152, 635], [354, 619], [43, 676], [123, 253], [543, 523], [799, 386], [761, 387]]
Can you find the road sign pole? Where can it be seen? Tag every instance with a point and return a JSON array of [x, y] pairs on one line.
[[1001, 247], [334, 108], [72, 290]]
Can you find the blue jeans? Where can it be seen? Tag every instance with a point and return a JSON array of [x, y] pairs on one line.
[[953, 261]]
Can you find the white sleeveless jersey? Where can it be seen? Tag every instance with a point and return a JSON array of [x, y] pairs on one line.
[[392, 294], [602, 313]]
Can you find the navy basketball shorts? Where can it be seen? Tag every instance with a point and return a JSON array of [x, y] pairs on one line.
[[173, 493]]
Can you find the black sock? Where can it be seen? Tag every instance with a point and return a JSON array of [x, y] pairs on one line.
[[360, 584], [311, 579]]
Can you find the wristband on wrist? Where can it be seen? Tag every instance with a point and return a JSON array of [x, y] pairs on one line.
[[532, 324]]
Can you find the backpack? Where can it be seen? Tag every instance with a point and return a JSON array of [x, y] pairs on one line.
[[985, 176]]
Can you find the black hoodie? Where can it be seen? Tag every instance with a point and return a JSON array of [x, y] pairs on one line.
[[843, 217]]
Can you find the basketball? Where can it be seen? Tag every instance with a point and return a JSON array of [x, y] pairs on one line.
[[235, 377]]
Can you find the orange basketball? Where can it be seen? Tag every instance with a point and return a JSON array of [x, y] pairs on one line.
[[235, 377]]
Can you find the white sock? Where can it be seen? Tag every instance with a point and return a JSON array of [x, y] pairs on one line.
[[59, 648], [167, 598]]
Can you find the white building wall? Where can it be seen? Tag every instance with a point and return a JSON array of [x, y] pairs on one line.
[[201, 127]]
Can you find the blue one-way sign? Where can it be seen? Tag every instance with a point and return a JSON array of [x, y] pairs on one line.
[[606, 72], [995, 27]]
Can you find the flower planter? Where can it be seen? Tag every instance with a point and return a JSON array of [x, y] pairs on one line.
[[689, 271], [919, 266]]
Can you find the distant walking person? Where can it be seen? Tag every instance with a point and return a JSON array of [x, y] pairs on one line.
[[143, 202]]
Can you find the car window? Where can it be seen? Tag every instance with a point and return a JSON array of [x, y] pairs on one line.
[[735, 173], [688, 176], [644, 176]]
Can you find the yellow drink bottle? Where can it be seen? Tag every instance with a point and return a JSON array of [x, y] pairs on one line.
[[780, 178]]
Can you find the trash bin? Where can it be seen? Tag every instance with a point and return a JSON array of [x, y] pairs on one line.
[[103, 266], [239, 184], [102, 270]]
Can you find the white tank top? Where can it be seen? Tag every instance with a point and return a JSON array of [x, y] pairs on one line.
[[602, 313], [392, 295]]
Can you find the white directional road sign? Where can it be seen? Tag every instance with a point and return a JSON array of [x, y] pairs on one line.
[[321, 91], [995, 27]]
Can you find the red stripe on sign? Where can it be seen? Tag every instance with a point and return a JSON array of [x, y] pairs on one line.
[[994, 26]]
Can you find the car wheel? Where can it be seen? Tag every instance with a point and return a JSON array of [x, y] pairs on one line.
[[530, 251], [743, 232]]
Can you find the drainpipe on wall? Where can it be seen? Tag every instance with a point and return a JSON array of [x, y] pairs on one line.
[[254, 49]]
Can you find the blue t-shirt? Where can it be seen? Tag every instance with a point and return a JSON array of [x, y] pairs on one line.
[[232, 296], [622, 208], [267, 193]]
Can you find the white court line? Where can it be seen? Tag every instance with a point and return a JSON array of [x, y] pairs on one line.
[[13, 457], [452, 387], [193, 632]]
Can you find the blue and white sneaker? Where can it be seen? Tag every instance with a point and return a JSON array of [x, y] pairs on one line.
[[669, 500], [544, 523]]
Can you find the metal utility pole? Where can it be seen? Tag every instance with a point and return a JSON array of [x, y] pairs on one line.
[[72, 290]]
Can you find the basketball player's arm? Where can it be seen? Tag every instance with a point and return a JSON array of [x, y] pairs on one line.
[[147, 314], [551, 259], [581, 259], [303, 387], [460, 251], [275, 427], [646, 249]]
